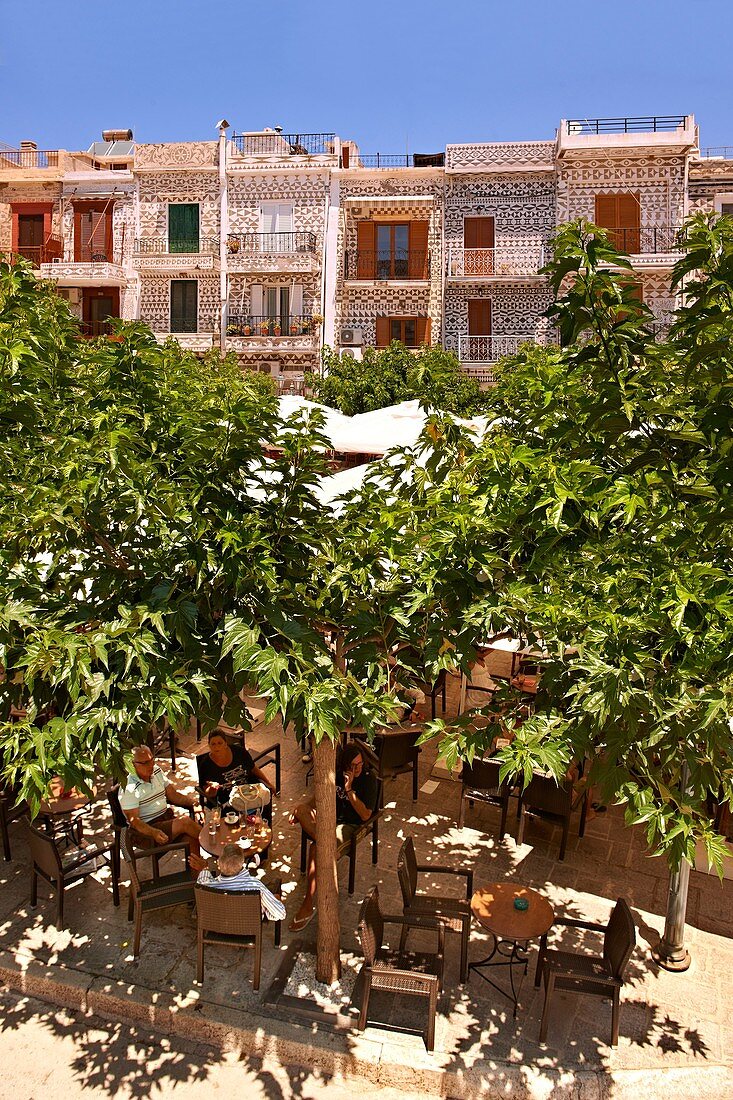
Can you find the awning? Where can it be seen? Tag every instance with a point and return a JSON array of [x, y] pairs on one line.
[[387, 200]]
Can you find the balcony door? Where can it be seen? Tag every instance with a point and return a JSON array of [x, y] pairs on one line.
[[98, 305], [392, 250], [93, 233], [478, 246], [276, 227], [184, 305], [621, 213], [478, 346], [183, 227], [30, 237]]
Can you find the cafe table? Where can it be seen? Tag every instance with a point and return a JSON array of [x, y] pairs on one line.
[[62, 811], [252, 840], [511, 929]]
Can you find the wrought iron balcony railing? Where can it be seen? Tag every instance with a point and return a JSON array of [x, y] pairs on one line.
[[654, 124], [251, 324], [647, 241], [387, 265], [288, 145], [183, 324], [724, 152], [162, 245], [490, 349], [29, 158], [92, 329], [38, 254], [299, 241], [518, 257]]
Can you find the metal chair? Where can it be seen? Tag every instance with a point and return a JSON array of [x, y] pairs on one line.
[[231, 918], [414, 975], [600, 975], [432, 910], [395, 754], [546, 798], [59, 870], [480, 783], [10, 810], [162, 892]]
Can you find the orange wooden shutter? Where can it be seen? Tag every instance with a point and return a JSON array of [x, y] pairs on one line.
[[629, 220], [606, 211], [422, 330], [382, 332], [478, 233], [365, 249], [418, 263], [479, 317]]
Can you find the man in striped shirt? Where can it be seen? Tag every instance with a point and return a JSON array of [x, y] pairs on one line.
[[233, 875]]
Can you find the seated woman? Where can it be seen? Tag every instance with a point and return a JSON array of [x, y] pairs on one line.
[[225, 766], [356, 799]]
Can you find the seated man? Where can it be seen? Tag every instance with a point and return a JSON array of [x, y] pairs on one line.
[[145, 803], [356, 800], [233, 875], [225, 766]]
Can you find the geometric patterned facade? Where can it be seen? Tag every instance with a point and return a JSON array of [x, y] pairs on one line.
[[301, 240]]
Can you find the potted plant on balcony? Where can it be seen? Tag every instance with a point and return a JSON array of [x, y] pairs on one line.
[[264, 327], [247, 329], [232, 330], [294, 326], [233, 245], [276, 329]]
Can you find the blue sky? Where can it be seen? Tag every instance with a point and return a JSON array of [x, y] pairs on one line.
[[391, 74]]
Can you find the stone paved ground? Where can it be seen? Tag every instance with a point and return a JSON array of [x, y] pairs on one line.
[[677, 1023]]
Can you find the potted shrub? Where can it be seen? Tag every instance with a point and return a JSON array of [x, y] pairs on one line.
[[264, 328], [276, 329], [293, 327], [233, 244], [247, 329]]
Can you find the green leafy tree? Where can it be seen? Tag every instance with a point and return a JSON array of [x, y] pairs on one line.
[[386, 376]]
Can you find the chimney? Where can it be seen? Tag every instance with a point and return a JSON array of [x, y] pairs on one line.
[[28, 154]]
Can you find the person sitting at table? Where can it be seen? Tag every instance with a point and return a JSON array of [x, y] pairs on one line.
[[356, 799], [233, 875], [145, 802], [225, 766]]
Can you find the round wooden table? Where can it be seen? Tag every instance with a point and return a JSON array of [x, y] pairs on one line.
[[62, 811], [511, 929], [230, 834]]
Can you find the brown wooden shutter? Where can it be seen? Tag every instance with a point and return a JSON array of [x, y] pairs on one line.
[[478, 233], [422, 330], [629, 220], [606, 211], [365, 249], [479, 317], [383, 332], [418, 262]]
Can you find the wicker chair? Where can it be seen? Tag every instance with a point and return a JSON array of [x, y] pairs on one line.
[[416, 975], [545, 798], [395, 754], [10, 810], [231, 918], [480, 783], [348, 846], [162, 892], [600, 975], [59, 870], [432, 910]]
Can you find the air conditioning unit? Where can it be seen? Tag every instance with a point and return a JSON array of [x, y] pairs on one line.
[[352, 353], [351, 337], [72, 294]]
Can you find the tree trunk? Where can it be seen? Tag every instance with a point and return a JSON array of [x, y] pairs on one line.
[[328, 958]]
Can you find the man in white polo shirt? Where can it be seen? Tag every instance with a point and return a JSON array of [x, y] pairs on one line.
[[145, 801]]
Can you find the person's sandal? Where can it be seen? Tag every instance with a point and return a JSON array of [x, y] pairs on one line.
[[297, 924]]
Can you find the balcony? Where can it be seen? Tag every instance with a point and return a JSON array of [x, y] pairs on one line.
[[480, 351], [653, 246], [29, 158], [391, 160], [91, 330], [185, 332], [91, 269], [161, 254], [517, 259], [266, 252], [399, 265], [39, 254], [251, 332], [586, 136], [271, 143]]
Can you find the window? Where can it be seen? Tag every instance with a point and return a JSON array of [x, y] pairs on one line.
[[392, 250], [478, 245], [92, 232], [183, 227], [620, 213], [276, 227], [184, 305], [479, 317], [410, 331]]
